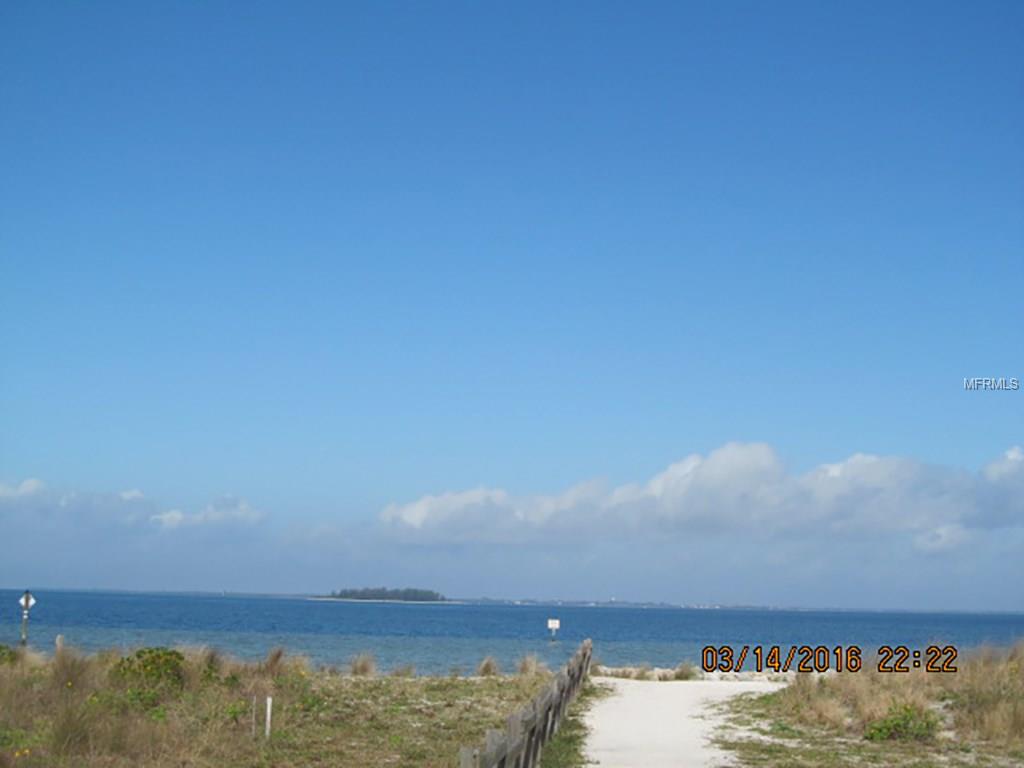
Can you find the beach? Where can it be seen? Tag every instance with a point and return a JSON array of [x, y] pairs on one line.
[[662, 724]]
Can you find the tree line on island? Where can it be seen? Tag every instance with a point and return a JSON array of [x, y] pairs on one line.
[[407, 595]]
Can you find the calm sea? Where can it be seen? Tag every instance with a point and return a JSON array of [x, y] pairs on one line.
[[440, 638]]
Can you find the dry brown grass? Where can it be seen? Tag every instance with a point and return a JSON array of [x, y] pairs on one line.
[[643, 672], [75, 710], [983, 700], [531, 665], [274, 662], [489, 667], [363, 665], [684, 671], [987, 695], [406, 670]]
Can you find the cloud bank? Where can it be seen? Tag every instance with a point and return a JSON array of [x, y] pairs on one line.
[[734, 526], [742, 488]]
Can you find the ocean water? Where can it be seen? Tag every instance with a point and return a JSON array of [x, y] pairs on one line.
[[438, 638]]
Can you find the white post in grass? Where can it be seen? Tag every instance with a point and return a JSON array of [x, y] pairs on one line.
[[270, 711]]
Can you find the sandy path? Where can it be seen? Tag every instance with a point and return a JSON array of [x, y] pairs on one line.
[[661, 724]]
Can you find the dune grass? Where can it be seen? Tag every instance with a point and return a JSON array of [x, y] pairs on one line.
[[489, 667], [974, 716], [683, 671], [363, 665], [566, 749], [160, 708], [531, 665]]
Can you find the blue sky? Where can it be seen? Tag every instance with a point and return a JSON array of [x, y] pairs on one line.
[[317, 262]]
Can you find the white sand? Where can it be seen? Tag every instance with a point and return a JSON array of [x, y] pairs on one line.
[[648, 724]]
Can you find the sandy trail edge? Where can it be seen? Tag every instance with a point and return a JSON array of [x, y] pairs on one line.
[[647, 724]]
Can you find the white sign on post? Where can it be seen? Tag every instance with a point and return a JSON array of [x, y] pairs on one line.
[[554, 624], [26, 601]]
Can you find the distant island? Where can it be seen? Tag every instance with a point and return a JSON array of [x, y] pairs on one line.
[[407, 595]]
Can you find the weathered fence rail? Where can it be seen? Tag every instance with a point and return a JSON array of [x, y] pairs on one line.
[[529, 729]]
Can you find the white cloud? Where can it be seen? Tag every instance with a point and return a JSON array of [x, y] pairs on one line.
[[172, 518], [132, 494], [24, 488], [434, 509], [227, 509], [745, 488], [1009, 466]]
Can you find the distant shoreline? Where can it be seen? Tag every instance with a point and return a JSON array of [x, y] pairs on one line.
[[325, 599], [40, 590]]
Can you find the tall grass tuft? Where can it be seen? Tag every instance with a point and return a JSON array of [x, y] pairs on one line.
[[489, 667], [363, 665], [685, 671], [643, 672], [530, 666], [71, 728], [69, 671], [273, 665]]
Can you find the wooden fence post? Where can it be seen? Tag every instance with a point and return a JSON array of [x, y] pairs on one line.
[[469, 757], [528, 730]]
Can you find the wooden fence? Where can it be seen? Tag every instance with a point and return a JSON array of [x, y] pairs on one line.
[[529, 729]]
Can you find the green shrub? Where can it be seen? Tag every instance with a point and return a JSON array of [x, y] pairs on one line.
[[150, 676], [153, 668], [236, 710], [904, 722], [210, 662], [8, 655], [142, 698], [313, 702]]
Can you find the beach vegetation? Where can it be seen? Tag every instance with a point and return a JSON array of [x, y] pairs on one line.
[[531, 665], [903, 721], [150, 668], [165, 708], [567, 748], [969, 717], [685, 671], [363, 665], [489, 667]]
